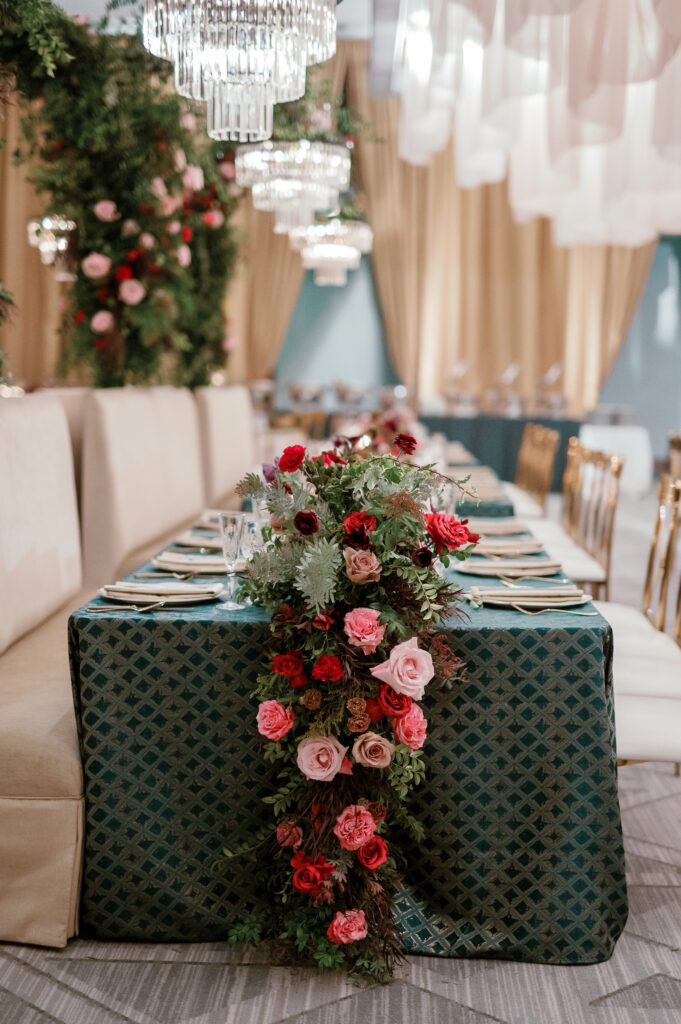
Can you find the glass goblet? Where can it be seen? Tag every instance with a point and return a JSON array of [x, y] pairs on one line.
[[231, 532]]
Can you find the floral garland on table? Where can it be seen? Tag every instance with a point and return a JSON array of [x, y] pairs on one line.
[[348, 575]]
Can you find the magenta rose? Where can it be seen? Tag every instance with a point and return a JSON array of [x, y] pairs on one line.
[[106, 211], [363, 630], [372, 750], [411, 728], [354, 826], [407, 670], [96, 265], [321, 757], [102, 322], [362, 566], [274, 720], [347, 928], [131, 292], [289, 834]]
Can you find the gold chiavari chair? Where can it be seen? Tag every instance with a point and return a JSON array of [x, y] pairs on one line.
[[675, 454], [571, 485], [662, 548], [536, 457], [600, 481]]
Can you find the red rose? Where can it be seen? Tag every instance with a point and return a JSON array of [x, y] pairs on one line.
[[309, 874], [289, 664], [187, 234], [358, 527], [292, 458], [123, 274], [392, 703], [373, 853], [306, 523], [374, 710], [297, 681], [322, 621], [328, 668], [448, 533], [80, 316], [406, 443]]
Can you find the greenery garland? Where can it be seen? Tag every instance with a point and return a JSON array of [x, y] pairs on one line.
[[111, 148], [348, 575]]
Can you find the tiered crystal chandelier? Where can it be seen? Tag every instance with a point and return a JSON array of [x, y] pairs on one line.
[[240, 56], [294, 180], [53, 236], [332, 248]]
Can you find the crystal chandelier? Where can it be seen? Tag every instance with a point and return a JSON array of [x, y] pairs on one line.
[[294, 180], [52, 236], [333, 248], [240, 56]]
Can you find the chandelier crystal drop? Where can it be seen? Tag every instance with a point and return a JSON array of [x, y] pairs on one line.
[[240, 56], [332, 249], [53, 236], [294, 180]]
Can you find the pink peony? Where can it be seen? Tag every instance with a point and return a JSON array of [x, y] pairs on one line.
[[192, 179], [184, 256], [180, 160], [274, 720], [363, 630], [158, 188], [131, 292], [130, 227], [354, 826], [169, 204], [147, 240], [188, 121], [407, 670], [106, 210], [372, 750], [102, 322], [214, 218], [289, 834], [95, 265], [348, 927], [411, 728], [362, 566], [174, 227], [320, 757]]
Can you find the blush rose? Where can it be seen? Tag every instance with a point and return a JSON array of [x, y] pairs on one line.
[[361, 566], [363, 629], [106, 211], [274, 720], [96, 265], [131, 292], [347, 928], [411, 728], [320, 757], [354, 826], [372, 750], [102, 322], [408, 669]]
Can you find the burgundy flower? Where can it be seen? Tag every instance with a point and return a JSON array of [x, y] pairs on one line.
[[328, 668], [358, 529], [422, 557], [306, 523], [269, 472], [406, 443]]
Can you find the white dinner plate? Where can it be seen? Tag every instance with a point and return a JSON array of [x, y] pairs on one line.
[[538, 567], [134, 596], [531, 603]]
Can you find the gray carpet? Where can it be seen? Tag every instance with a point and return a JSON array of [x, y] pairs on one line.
[[117, 983]]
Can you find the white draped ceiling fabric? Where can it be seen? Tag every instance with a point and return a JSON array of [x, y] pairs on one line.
[[577, 101]]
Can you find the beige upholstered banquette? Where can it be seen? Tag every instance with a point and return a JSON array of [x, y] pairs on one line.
[[227, 440], [41, 786]]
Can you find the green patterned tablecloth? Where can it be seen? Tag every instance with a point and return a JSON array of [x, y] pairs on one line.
[[523, 858]]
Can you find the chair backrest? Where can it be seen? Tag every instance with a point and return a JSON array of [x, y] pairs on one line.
[[40, 564], [141, 472], [73, 402], [536, 457], [675, 454], [599, 541], [661, 557], [228, 439]]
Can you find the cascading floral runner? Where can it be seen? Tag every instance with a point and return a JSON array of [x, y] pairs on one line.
[[348, 574]]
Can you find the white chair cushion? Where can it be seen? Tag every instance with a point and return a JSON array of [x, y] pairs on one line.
[[646, 675], [227, 438], [141, 472], [630, 442], [524, 506], [648, 728], [40, 564], [626, 620]]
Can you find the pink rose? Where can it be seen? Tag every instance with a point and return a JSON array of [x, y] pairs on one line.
[[372, 750], [354, 826], [174, 227], [274, 720], [131, 292], [411, 728], [95, 265], [407, 670], [169, 204], [320, 757], [192, 179], [106, 210], [214, 218], [289, 834], [188, 121], [130, 227], [227, 169], [184, 256], [147, 240], [180, 160], [102, 322], [158, 188], [348, 927], [362, 566], [363, 630]]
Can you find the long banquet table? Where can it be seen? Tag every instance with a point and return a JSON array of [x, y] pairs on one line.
[[523, 857]]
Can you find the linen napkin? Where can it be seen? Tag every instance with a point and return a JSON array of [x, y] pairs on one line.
[[508, 548], [163, 588], [191, 540], [495, 527], [510, 567], [210, 565]]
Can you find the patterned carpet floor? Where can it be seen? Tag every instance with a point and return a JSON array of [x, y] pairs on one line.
[[128, 983]]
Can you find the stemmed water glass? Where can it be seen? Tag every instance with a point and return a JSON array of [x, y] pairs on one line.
[[231, 531]]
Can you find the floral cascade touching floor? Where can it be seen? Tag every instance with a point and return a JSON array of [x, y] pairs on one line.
[[348, 573]]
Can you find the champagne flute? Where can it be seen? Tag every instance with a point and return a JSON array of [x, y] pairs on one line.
[[231, 532]]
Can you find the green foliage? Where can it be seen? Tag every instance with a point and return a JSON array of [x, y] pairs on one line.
[[407, 769], [247, 932], [316, 575]]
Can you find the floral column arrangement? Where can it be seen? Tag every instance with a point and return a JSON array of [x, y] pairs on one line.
[[348, 574]]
